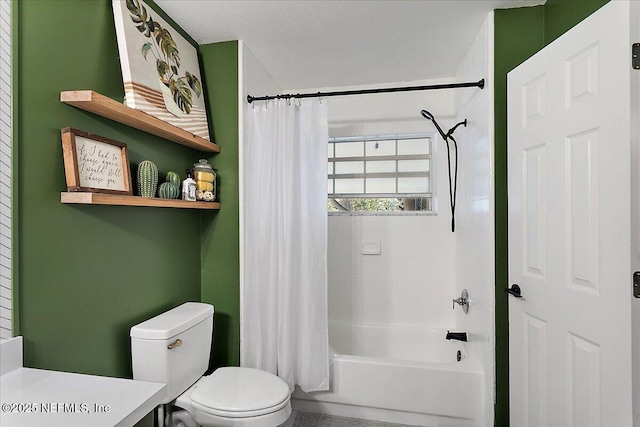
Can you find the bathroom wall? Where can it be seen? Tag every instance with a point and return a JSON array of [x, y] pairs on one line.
[[413, 280], [253, 80], [87, 273], [220, 234], [6, 313], [517, 36], [474, 248]]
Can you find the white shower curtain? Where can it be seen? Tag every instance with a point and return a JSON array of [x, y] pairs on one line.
[[284, 328]]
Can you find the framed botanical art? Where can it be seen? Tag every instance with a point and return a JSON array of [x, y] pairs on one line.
[[159, 67]]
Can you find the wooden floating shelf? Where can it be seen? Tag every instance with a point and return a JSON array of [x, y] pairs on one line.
[[120, 200], [106, 107]]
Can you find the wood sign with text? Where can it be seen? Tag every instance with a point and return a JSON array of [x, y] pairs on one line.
[[95, 164]]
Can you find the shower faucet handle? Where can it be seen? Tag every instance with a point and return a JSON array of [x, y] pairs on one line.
[[463, 301], [460, 301]]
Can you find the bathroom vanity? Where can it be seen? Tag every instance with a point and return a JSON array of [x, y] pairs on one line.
[[40, 397]]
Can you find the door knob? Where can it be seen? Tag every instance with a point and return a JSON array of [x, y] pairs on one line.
[[514, 290]]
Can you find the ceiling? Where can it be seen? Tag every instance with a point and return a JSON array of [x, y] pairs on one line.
[[314, 44]]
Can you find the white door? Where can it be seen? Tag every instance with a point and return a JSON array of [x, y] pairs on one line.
[[569, 228]]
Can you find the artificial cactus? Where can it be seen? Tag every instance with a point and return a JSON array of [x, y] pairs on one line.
[[147, 178], [173, 178], [168, 190]]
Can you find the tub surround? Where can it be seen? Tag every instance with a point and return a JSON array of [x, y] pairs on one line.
[[407, 375], [380, 306], [54, 398], [412, 280], [474, 247]]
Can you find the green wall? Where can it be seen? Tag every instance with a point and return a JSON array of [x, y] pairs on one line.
[[88, 273], [561, 15], [85, 274], [221, 233], [518, 34]]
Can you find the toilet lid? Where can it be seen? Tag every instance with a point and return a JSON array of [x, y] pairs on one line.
[[241, 392]]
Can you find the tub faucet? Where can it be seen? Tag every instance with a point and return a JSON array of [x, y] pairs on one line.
[[460, 336]]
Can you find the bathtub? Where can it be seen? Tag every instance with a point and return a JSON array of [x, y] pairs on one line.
[[408, 375]]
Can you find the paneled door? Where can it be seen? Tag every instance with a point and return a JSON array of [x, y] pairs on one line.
[[569, 121]]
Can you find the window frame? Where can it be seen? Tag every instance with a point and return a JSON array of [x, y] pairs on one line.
[[431, 174]]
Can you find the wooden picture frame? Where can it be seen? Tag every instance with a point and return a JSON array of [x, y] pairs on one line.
[[95, 164]]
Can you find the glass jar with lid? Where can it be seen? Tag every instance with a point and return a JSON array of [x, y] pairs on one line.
[[205, 177]]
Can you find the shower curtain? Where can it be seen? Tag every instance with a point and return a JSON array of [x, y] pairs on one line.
[[284, 328]]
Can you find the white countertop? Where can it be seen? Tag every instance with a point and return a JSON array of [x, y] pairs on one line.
[[36, 397], [65, 399]]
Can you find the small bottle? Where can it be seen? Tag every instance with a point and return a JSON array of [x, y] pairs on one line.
[[189, 188]]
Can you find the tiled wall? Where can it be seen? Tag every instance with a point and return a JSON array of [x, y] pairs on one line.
[[412, 280], [5, 169], [474, 234], [474, 256], [423, 265]]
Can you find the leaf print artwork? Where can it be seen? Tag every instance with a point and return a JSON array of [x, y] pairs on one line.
[[167, 56], [160, 68]]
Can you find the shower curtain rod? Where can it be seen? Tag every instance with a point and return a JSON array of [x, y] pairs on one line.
[[479, 84]]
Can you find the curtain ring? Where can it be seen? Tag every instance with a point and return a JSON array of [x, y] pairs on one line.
[[289, 102]]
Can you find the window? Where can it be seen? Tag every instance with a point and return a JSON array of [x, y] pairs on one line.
[[383, 174], [5, 170]]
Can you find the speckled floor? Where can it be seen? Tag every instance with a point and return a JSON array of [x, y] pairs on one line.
[[307, 419]]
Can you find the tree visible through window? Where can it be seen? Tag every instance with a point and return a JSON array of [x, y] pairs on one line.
[[391, 174]]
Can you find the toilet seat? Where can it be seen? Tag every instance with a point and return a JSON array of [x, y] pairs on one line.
[[233, 392]]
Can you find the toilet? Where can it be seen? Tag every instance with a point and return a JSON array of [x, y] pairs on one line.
[[173, 348]]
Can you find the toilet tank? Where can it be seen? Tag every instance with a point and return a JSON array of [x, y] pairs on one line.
[[173, 347]]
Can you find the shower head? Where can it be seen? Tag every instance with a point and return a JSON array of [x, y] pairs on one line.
[[453, 183], [427, 115]]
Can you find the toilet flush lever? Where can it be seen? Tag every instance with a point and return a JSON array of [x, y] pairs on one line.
[[176, 343]]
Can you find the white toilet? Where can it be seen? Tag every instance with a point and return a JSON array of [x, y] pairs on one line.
[[173, 348]]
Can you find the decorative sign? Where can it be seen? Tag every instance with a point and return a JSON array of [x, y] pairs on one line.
[[95, 164]]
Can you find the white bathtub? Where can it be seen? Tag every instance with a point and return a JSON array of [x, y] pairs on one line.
[[407, 375]]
